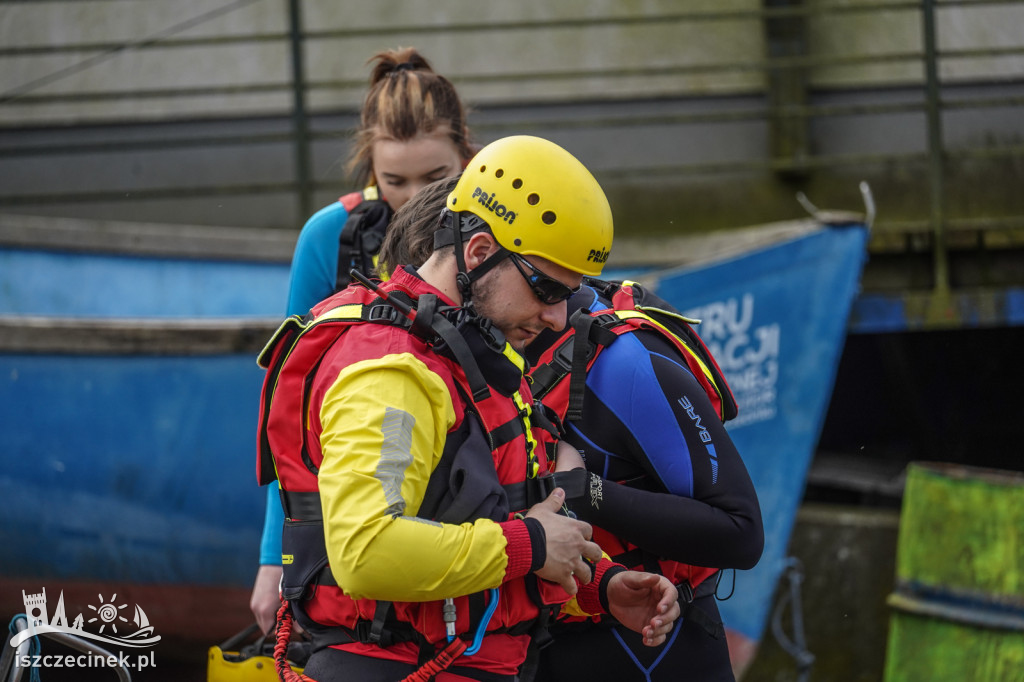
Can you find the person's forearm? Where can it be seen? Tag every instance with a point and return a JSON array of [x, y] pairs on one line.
[[673, 527]]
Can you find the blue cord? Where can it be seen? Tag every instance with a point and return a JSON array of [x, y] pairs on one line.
[[34, 646], [478, 638]]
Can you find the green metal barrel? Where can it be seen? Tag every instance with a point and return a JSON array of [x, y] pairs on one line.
[[958, 605]]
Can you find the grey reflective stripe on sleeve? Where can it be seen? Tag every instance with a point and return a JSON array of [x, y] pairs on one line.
[[395, 456]]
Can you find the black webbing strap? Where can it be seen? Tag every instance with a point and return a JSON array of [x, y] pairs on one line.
[[525, 494], [688, 610], [698, 616], [463, 356], [545, 418], [380, 617], [578, 373], [547, 376], [638, 557], [360, 238], [595, 329], [384, 630], [507, 432], [301, 506]]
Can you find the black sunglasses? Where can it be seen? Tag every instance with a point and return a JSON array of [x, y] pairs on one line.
[[546, 288]]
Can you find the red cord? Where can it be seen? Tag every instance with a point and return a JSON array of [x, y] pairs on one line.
[[284, 635], [285, 673], [440, 662]]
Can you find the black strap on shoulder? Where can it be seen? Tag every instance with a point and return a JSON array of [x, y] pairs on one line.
[[570, 358], [361, 238], [578, 374], [594, 330], [604, 288], [458, 347], [546, 376]]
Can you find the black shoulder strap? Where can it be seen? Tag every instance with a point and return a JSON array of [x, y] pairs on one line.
[[594, 330], [361, 238]]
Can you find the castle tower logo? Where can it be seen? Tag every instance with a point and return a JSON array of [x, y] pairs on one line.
[[107, 617], [35, 607]]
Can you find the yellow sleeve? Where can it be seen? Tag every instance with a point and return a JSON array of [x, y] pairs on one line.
[[384, 427]]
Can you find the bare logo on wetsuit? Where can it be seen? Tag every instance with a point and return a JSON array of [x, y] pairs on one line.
[[705, 436]]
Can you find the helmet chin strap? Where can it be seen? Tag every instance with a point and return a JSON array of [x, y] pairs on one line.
[[464, 278]]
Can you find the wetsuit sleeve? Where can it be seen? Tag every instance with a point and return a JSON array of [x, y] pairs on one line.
[[312, 277], [384, 426], [644, 409], [314, 268]]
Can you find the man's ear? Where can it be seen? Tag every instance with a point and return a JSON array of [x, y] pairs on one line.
[[479, 248]]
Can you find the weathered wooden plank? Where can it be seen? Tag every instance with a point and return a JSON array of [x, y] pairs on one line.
[[51, 335], [150, 239]]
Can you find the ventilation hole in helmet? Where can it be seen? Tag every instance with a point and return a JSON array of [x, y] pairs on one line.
[[455, 200], [518, 242], [483, 169], [498, 173], [533, 199], [517, 183], [548, 217]]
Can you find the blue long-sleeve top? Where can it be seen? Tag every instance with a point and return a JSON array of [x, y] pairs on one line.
[[312, 278]]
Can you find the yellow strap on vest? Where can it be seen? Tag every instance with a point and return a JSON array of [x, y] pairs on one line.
[[525, 410], [350, 311], [639, 315]]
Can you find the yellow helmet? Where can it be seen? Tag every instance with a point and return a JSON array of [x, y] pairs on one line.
[[538, 200]]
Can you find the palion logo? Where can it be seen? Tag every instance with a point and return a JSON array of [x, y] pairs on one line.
[[500, 210]]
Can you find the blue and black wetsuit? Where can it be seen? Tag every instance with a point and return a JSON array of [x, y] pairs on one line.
[[677, 502]]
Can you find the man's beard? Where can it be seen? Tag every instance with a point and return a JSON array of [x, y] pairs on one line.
[[485, 293]]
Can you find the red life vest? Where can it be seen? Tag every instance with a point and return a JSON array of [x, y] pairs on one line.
[[560, 375], [289, 451]]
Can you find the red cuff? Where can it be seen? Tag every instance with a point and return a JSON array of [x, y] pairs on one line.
[[590, 597], [518, 549]]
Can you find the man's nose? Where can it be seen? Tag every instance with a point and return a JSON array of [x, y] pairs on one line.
[[553, 316]]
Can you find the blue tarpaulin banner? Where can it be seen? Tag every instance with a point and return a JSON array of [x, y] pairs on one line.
[[775, 320]]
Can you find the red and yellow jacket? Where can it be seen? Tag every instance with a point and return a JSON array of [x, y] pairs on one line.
[[355, 420]]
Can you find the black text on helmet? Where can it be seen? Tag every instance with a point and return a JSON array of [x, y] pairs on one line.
[[598, 256], [498, 209]]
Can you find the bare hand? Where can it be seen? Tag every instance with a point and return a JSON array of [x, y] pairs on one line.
[[568, 542], [266, 596], [647, 603], [568, 458]]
